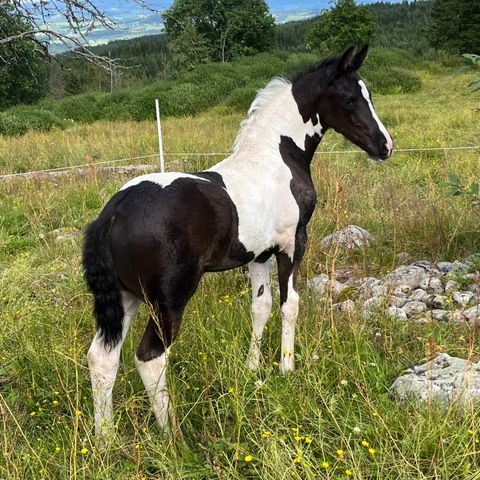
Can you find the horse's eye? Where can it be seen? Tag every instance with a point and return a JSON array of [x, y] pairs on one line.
[[351, 100]]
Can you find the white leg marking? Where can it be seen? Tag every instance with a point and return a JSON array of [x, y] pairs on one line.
[[154, 376], [261, 308], [289, 319], [103, 364]]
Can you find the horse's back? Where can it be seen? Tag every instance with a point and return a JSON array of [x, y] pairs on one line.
[[186, 226]]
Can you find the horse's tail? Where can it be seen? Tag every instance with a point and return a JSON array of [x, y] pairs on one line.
[[100, 273]]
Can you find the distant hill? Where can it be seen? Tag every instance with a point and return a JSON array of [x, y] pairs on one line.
[[133, 21]]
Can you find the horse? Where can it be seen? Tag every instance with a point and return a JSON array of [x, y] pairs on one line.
[[160, 232]]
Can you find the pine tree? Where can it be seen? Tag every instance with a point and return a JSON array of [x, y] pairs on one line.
[[455, 25]]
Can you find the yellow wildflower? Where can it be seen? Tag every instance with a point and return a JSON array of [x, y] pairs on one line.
[[308, 440], [471, 432], [340, 452], [296, 460], [78, 413], [365, 443], [248, 458], [84, 451], [325, 464], [57, 449], [266, 434], [371, 451], [348, 473], [55, 402]]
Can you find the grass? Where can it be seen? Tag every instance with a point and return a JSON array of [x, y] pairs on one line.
[[337, 398]]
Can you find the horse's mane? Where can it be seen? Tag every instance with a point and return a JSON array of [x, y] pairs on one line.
[[271, 94], [264, 97]]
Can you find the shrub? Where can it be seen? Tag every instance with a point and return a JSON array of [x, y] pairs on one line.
[[241, 98], [11, 124], [38, 119], [392, 80]]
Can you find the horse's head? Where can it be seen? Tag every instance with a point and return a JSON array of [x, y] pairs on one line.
[[348, 106], [345, 103]]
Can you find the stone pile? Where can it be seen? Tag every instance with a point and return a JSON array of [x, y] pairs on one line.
[[422, 291]]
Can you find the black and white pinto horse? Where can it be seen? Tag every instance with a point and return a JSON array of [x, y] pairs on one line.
[[157, 236]]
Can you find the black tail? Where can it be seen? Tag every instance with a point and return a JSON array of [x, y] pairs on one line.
[[100, 273]]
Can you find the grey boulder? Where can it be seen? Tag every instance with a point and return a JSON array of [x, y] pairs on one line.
[[443, 380]]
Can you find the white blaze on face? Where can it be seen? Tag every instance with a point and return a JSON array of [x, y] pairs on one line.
[[366, 95]]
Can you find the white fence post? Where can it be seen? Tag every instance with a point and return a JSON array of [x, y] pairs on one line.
[[160, 142]]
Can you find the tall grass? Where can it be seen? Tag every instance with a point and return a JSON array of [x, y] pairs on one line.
[[237, 424]]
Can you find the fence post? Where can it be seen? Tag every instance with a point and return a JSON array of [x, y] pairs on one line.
[[160, 141]]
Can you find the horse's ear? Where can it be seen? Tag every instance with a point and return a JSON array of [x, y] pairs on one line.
[[359, 58], [345, 63]]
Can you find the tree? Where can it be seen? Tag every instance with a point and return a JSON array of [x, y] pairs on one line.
[[80, 17], [24, 70], [455, 26], [189, 47], [230, 27], [344, 24]]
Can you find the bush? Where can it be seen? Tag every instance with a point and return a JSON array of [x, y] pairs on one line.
[[392, 80], [241, 98], [11, 124], [38, 119]]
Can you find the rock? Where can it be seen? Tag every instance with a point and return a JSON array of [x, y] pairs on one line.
[[432, 285], [439, 314], [425, 264], [436, 301], [456, 316], [323, 284], [398, 300], [463, 298], [418, 295], [412, 308], [402, 290], [397, 313], [367, 284], [404, 257], [349, 237], [411, 276], [379, 291], [444, 379], [452, 285], [445, 267], [344, 274], [458, 267], [371, 305], [348, 306], [473, 314], [473, 287], [472, 260]]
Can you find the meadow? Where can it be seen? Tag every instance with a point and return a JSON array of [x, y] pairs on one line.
[[334, 417]]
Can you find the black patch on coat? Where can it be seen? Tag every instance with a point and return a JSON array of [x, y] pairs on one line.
[[260, 291], [265, 255], [214, 177]]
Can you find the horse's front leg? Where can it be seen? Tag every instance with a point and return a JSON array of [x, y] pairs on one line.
[[261, 308], [289, 309]]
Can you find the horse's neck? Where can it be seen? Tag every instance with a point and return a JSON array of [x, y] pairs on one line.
[[275, 131]]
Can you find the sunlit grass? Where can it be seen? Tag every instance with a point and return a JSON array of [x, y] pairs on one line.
[[237, 424]]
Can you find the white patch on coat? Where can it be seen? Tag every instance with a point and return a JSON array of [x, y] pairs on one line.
[[261, 308], [103, 364], [154, 376], [366, 95], [162, 179], [289, 319], [255, 175]]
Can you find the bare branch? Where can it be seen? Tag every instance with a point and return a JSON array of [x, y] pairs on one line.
[[81, 16]]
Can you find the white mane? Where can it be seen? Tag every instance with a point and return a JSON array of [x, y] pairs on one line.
[[264, 108]]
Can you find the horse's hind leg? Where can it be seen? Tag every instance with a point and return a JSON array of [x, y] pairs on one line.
[[151, 360], [261, 308], [103, 362]]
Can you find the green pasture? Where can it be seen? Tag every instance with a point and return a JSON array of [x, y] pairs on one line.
[[334, 418]]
